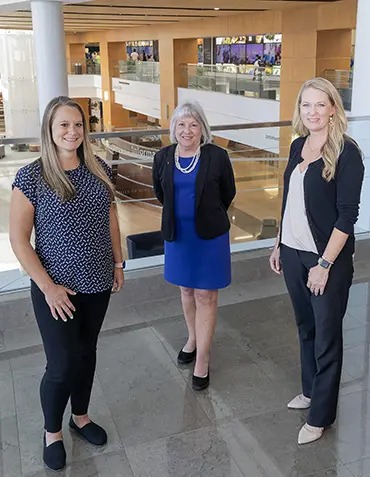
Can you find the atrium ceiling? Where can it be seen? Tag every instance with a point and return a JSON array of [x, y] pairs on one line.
[[115, 14]]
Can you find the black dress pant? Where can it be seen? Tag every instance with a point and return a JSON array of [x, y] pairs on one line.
[[70, 349], [320, 321]]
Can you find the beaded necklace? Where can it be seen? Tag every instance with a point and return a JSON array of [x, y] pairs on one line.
[[191, 166]]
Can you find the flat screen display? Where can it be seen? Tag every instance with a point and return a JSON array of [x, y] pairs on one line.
[[223, 54], [272, 53], [252, 51], [238, 54]]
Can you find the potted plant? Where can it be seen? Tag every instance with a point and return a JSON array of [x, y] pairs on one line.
[[92, 121]]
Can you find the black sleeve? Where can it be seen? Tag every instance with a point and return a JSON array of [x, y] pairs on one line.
[[349, 177], [228, 190], [156, 179], [296, 146]]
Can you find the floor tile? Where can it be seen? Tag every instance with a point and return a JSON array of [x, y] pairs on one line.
[[268, 442], [340, 471], [120, 316], [22, 337], [10, 461], [146, 393], [360, 468], [16, 313], [240, 392], [351, 433], [200, 453], [239, 426], [105, 465], [159, 309], [227, 349], [7, 402]]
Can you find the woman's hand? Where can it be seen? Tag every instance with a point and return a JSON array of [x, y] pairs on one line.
[[275, 260], [56, 297], [119, 279], [317, 279]]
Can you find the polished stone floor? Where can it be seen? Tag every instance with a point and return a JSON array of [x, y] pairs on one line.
[[157, 425]]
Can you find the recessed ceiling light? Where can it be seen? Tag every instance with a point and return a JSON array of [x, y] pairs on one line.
[[216, 8]]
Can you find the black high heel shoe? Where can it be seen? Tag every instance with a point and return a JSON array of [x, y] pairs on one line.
[[186, 358], [200, 383], [54, 455]]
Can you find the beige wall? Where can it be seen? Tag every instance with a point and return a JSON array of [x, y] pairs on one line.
[[333, 50], [75, 54], [302, 49], [84, 103], [185, 51]]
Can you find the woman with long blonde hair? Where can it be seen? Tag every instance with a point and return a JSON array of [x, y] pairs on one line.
[[315, 246], [66, 196]]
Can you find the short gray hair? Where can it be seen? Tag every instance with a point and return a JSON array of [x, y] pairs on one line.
[[194, 110]]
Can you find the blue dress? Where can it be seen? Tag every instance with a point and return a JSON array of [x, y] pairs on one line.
[[191, 261]]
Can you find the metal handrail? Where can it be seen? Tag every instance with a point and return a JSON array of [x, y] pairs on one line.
[[150, 132]]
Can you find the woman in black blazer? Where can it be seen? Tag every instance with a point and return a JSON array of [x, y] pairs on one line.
[[194, 181], [322, 188]]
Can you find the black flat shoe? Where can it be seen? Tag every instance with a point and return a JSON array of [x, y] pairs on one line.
[[91, 432], [200, 383], [54, 455], [186, 358]]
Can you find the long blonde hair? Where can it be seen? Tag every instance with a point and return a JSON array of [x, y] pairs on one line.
[[52, 170], [337, 126]]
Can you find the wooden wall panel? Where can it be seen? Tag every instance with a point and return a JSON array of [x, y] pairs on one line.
[[333, 50], [299, 26]]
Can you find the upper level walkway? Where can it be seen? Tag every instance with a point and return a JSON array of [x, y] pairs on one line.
[[157, 425]]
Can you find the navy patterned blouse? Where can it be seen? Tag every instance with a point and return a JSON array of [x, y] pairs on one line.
[[72, 238]]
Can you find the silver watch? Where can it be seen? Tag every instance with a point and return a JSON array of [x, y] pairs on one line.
[[324, 263]]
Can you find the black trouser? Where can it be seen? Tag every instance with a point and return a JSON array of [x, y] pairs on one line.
[[70, 349], [319, 320]]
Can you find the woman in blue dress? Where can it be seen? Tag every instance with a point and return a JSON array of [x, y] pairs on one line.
[[194, 181]]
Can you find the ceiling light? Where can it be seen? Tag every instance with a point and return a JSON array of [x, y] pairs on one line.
[[216, 8]]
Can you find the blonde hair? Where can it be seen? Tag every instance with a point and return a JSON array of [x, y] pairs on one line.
[[193, 110], [334, 144], [52, 170]]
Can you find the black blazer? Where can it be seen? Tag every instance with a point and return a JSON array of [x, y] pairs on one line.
[[214, 191], [329, 204]]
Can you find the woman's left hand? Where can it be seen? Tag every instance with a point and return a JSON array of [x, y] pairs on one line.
[[119, 279], [317, 279]]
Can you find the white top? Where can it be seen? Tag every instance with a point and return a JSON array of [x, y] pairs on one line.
[[134, 55], [296, 232]]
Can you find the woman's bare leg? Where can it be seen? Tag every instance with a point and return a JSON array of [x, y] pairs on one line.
[[205, 324], [188, 306]]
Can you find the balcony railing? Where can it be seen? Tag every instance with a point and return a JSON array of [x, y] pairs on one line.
[[244, 80], [83, 66], [254, 213], [146, 71]]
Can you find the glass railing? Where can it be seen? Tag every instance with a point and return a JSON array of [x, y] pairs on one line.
[[84, 67], [258, 153], [146, 71], [342, 80], [244, 80]]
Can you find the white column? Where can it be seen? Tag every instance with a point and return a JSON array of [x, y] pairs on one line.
[[359, 130], [18, 84], [361, 68], [49, 43]]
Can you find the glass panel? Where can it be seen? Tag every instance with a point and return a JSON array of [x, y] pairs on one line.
[[245, 80], [146, 71], [258, 156], [84, 66]]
